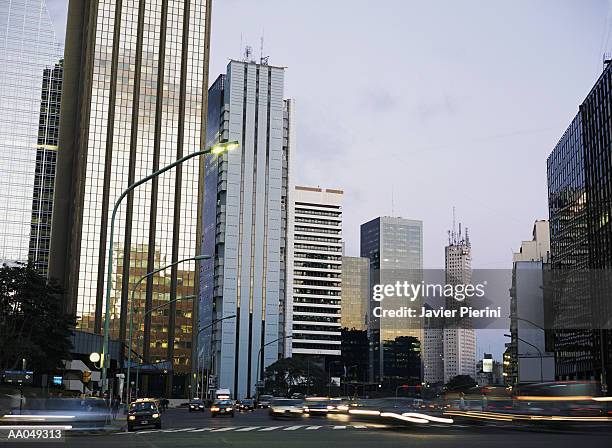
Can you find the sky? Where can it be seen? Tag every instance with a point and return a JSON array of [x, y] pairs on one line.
[[413, 108]]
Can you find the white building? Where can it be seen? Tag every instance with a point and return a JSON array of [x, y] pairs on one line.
[[459, 336], [313, 318], [245, 225]]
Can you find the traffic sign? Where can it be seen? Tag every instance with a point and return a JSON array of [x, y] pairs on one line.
[[18, 376]]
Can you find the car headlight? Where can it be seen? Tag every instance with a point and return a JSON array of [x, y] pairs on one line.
[[343, 408], [230, 409], [155, 416], [306, 409], [330, 408], [214, 409], [132, 417]]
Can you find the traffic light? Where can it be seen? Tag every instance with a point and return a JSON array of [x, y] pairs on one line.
[[86, 376]]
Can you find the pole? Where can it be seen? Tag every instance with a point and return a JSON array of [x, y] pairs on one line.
[[259, 363], [541, 357], [109, 275]]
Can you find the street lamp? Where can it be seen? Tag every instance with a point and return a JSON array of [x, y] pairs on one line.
[[214, 322], [539, 353], [217, 149], [178, 299], [259, 363], [131, 308]]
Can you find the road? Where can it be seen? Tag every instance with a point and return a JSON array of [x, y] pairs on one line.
[[258, 430]]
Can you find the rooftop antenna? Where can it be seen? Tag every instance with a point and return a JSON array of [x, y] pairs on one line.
[[240, 44], [248, 52], [263, 60], [392, 202], [454, 233], [606, 59]]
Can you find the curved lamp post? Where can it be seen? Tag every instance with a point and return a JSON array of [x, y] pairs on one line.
[[217, 149], [259, 363], [132, 309]]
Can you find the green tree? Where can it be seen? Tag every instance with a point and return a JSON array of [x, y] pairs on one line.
[[290, 375], [33, 324], [461, 382]]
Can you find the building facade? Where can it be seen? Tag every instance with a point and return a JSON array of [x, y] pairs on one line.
[[459, 335], [394, 247], [28, 46], [316, 300], [355, 292], [579, 194], [134, 101], [246, 217], [46, 161]]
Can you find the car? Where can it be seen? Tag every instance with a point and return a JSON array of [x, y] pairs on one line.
[[246, 405], [264, 401], [320, 407], [196, 405], [144, 413], [285, 407], [222, 407]]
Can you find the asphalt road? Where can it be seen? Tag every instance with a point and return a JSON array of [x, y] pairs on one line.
[[257, 429]]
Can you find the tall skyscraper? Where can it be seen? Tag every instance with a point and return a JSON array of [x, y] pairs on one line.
[[433, 350], [135, 76], [246, 221], [355, 292], [394, 247], [459, 335], [316, 300], [579, 198], [46, 160], [27, 47]]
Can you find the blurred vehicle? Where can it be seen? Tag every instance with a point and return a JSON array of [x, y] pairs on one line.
[[286, 407], [222, 407], [144, 412], [196, 405], [317, 406], [567, 398], [223, 394], [264, 401], [246, 405], [297, 396]]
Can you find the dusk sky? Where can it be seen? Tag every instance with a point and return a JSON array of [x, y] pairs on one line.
[[436, 104]]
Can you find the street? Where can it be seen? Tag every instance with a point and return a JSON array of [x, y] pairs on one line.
[[257, 429]]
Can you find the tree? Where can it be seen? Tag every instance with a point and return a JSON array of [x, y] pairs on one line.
[[290, 375], [33, 324], [461, 382]]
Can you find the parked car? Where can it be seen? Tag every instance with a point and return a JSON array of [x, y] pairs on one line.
[[144, 413], [222, 407], [246, 405], [196, 405]]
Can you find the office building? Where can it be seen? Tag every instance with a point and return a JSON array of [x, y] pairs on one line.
[[46, 160], [355, 292], [134, 91], [317, 273], [394, 247], [489, 372], [579, 195], [529, 361], [28, 46], [459, 344], [433, 349], [246, 218]]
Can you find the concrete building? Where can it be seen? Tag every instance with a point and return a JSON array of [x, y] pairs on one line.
[[133, 97], [317, 272], [394, 247], [355, 292], [459, 336], [28, 46], [528, 358], [433, 350], [246, 216]]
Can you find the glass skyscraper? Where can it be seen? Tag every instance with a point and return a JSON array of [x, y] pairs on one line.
[[135, 76], [246, 209], [27, 47], [355, 292]]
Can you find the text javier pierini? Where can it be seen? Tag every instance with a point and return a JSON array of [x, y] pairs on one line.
[[463, 311]]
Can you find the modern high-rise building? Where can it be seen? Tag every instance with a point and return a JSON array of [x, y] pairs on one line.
[[28, 46], [579, 198], [528, 360], [394, 247], [316, 300], [355, 292], [459, 335], [134, 100], [246, 217], [46, 160]]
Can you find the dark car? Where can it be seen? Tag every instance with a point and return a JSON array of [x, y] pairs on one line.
[[196, 405], [222, 407], [246, 405], [143, 413], [264, 401]]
